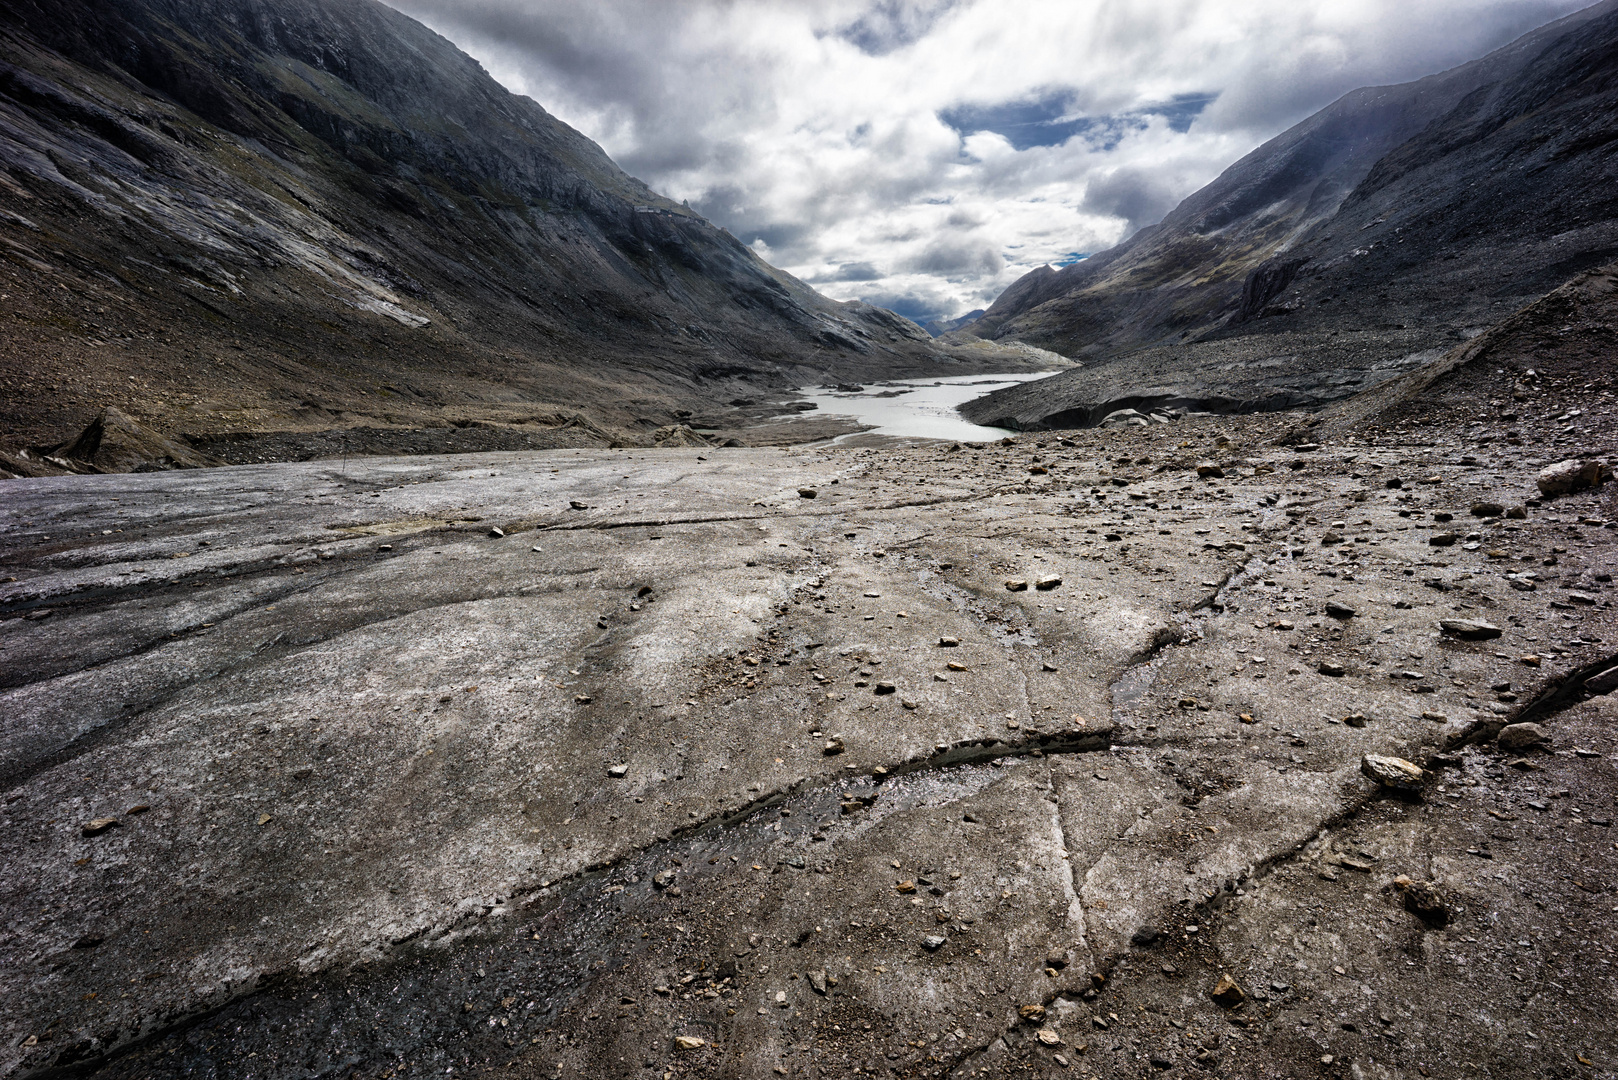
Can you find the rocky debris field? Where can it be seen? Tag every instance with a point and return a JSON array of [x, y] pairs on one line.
[[1159, 751], [1255, 373]]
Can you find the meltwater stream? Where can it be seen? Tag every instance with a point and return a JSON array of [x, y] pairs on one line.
[[918, 408]]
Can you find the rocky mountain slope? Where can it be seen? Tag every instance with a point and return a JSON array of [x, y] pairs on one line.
[[224, 215], [1520, 380], [1398, 220]]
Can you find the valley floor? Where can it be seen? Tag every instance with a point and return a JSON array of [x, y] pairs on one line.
[[714, 762]]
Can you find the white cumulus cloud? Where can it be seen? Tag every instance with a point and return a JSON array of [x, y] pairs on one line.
[[923, 154]]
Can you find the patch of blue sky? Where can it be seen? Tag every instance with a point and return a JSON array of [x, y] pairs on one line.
[[1072, 257], [1047, 121]]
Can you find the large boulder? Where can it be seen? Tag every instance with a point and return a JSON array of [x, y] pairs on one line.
[[680, 435], [1568, 476], [115, 442], [1125, 418], [1520, 737]]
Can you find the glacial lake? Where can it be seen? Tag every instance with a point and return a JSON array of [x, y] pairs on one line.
[[918, 408]]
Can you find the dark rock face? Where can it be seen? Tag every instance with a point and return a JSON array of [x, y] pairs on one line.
[[114, 443], [1387, 225], [1565, 342], [232, 214]]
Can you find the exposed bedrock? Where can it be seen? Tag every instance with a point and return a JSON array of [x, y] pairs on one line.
[[549, 761]]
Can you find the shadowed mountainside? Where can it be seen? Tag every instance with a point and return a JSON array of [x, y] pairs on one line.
[[1567, 340], [1396, 221], [224, 215]]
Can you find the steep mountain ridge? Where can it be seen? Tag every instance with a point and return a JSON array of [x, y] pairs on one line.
[[1393, 222], [228, 214]]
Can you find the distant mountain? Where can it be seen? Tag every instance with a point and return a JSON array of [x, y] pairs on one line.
[[1391, 223], [940, 327], [228, 214]]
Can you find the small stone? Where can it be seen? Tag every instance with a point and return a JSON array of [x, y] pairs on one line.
[[807, 493], [689, 1042], [1048, 1037], [1517, 513], [817, 982], [98, 826], [1032, 1013], [905, 887], [1436, 717], [663, 879], [1519, 737], [1469, 629], [497, 532], [1247, 718], [1392, 772], [1445, 539], [1016, 585], [577, 505], [1209, 469], [886, 688], [1339, 611], [1227, 993], [1355, 720], [833, 747], [1567, 476], [1048, 582], [1331, 538], [934, 942], [949, 643], [618, 772], [1580, 598], [1423, 900], [1333, 669], [1487, 509], [1604, 683]]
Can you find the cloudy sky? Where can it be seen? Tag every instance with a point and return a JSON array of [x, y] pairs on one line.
[[923, 154]]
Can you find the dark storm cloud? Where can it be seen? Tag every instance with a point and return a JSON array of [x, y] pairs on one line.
[[863, 271], [892, 24], [918, 309], [1139, 196], [951, 257]]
